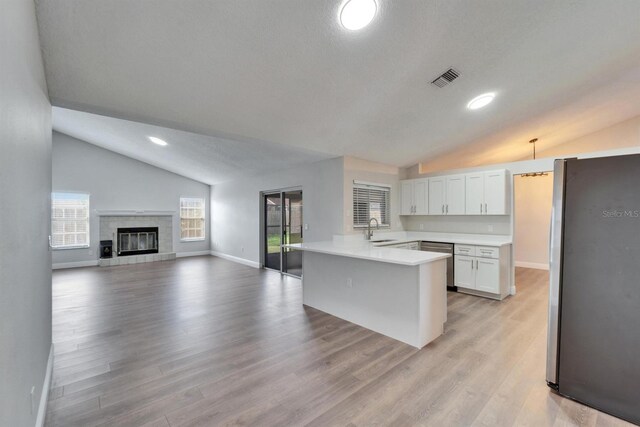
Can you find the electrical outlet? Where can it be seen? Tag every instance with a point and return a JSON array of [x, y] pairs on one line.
[[242, 249], [349, 283], [421, 226], [306, 227], [490, 228]]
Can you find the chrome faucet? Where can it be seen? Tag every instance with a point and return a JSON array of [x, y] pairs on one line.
[[369, 234]]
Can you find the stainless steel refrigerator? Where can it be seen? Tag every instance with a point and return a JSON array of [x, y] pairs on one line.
[[594, 302]]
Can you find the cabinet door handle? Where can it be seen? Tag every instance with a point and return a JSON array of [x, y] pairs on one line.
[[447, 208], [442, 208], [485, 208], [480, 207]]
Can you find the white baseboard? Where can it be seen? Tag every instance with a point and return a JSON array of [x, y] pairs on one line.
[[236, 259], [76, 264], [44, 395], [197, 253], [536, 265]]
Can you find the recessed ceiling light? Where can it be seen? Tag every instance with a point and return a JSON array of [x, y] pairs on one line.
[[158, 141], [357, 14], [481, 101]]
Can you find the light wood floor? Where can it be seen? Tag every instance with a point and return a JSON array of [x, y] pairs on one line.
[[207, 342]]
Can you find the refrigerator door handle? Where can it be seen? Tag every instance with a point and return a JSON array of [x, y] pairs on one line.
[[555, 270]]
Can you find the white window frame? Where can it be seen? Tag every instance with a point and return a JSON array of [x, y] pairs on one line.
[[87, 219], [204, 219], [372, 187]]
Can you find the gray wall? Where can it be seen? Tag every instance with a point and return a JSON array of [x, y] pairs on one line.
[[117, 182], [25, 187], [236, 206]]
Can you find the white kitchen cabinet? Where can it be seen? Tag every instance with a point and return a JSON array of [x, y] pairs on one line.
[[495, 193], [464, 271], [414, 246], [437, 197], [421, 197], [446, 195], [455, 195], [483, 270], [414, 197], [406, 197], [478, 193], [486, 193], [487, 275], [474, 193]]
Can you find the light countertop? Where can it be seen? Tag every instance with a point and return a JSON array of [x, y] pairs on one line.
[[456, 238], [367, 250]]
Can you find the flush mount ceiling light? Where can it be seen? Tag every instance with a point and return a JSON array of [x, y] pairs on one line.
[[481, 101], [357, 14], [158, 141]]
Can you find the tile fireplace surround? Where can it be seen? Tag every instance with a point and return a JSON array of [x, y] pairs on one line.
[[111, 221]]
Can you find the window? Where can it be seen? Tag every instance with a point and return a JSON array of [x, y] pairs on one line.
[[191, 219], [69, 220], [370, 201]]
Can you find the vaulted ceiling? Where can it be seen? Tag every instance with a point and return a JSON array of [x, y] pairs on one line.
[[284, 72]]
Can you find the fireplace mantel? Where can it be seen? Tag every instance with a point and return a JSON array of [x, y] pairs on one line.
[[133, 212]]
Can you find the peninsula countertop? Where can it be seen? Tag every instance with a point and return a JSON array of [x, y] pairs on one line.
[[369, 251], [456, 238]]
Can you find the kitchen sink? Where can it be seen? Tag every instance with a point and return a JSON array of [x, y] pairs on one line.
[[382, 241]]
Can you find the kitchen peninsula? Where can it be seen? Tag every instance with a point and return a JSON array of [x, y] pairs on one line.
[[395, 292]]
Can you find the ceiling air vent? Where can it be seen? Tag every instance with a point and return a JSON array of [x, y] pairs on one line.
[[446, 78]]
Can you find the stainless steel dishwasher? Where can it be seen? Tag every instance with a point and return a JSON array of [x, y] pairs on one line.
[[446, 248]]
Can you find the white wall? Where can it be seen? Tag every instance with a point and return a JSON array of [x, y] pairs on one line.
[[25, 188], [476, 224], [117, 182], [363, 170], [533, 200], [625, 134], [236, 206]]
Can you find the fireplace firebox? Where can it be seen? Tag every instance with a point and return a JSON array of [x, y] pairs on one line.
[[137, 241]]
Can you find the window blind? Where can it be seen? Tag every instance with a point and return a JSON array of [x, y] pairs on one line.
[[191, 218], [69, 220], [370, 201]]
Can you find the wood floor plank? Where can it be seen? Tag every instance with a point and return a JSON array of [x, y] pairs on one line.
[[203, 341]]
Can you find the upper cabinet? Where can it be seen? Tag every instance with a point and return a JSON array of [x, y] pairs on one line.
[[455, 195], [446, 195], [414, 197], [478, 193], [487, 193], [495, 193], [437, 197]]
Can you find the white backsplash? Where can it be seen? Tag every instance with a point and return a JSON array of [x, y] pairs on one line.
[[471, 224]]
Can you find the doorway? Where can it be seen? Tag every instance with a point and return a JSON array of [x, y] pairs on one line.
[[283, 225], [533, 198]]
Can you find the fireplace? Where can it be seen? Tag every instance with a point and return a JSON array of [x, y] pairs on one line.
[[137, 241]]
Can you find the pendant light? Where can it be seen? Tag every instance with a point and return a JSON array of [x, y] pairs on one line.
[[533, 174]]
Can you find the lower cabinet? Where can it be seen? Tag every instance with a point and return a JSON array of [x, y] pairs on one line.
[[482, 270], [488, 275], [415, 246]]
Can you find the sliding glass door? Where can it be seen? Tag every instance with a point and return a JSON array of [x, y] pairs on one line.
[[273, 230], [292, 232], [283, 225]]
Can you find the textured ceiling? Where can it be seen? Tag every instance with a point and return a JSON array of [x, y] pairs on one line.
[[206, 159], [284, 71]]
